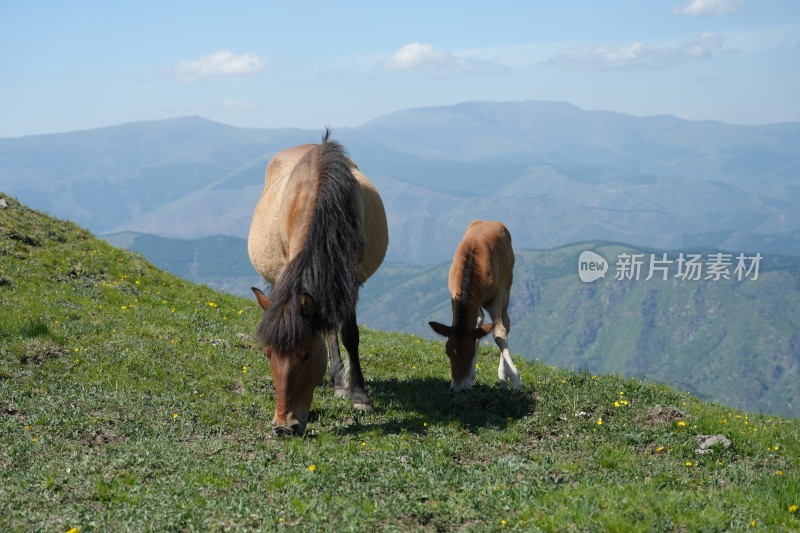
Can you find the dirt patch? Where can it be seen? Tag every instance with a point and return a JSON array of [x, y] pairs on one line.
[[101, 437], [658, 415], [38, 351], [28, 240]]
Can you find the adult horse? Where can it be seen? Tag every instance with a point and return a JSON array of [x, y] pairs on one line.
[[318, 232], [480, 276]]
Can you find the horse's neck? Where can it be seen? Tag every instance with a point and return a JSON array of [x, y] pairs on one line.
[[466, 312]]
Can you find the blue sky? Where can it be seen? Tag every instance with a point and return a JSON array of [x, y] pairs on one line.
[[81, 64]]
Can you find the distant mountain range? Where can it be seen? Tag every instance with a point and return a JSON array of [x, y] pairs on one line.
[[555, 174], [731, 341]]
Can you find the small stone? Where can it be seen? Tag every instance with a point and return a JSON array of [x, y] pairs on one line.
[[705, 443]]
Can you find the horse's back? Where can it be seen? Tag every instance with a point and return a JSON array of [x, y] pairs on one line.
[[266, 244], [489, 244], [376, 229], [284, 212]]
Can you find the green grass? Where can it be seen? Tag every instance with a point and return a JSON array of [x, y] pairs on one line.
[[132, 400]]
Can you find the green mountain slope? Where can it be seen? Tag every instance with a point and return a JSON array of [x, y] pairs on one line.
[[728, 341], [221, 262], [735, 342], [133, 400]]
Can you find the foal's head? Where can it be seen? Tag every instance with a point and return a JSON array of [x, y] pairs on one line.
[[296, 370], [461, 348]]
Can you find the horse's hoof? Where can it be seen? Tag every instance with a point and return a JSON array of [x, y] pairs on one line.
[[502, 385], [363, 406], [340, 393]]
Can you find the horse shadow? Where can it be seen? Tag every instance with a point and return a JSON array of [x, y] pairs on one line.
[[417, 405]]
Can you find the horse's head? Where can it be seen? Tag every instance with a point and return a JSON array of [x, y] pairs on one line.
[[461, 348], [296, 371]]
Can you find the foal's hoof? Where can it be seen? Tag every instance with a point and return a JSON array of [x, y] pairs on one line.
[[502, 384]]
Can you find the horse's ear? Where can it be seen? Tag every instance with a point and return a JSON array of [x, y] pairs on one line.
[[307, 306], [262, 299], [441, 329], [482, 331]]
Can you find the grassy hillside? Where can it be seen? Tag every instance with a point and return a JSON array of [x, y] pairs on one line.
[[735, 342], [132, 400], [220, 262], [727, 341]]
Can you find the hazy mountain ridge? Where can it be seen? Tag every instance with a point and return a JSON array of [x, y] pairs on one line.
[[553, 172]]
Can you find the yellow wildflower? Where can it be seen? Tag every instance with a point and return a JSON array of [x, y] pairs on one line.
[[599, 421], [659, 449], [792, 508], [616, 404], [681, 424], [174, 415], [503, 522], [244, 369], [688, 463], [311, 468], [73, 530], [778, 472]]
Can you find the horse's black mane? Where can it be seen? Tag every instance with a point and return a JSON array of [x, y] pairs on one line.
[[327, 266], [460, 323]]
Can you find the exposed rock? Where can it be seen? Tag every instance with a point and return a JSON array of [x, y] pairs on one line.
[[706, 443]]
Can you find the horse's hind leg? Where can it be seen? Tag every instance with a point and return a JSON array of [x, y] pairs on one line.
[[336, 368], [350, 339]]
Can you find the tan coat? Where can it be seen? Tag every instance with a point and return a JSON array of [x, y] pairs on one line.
[[271, 250]]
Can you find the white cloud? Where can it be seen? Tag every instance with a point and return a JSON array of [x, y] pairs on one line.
[[638, 55], [432, 61], [232, 103], [218, 64], [709, 7]]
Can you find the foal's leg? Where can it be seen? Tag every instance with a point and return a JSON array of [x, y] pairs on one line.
[[336, 368], [498, 310], [350, 339]]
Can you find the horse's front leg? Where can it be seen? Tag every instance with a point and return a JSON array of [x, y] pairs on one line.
[[350, 339], [336, 368]]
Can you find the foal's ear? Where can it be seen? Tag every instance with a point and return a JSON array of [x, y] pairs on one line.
[[482, 331], [262, 299], [307, 305], [441, 329]]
